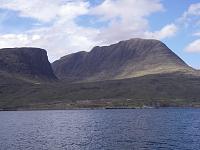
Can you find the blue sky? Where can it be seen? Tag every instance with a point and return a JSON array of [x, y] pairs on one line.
[[178, 43], [65, 26]]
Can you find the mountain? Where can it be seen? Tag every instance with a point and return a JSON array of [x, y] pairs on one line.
[[126, 59], [26, 64], [130, 73]]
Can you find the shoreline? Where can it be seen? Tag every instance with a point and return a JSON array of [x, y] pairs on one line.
[[97, 108]]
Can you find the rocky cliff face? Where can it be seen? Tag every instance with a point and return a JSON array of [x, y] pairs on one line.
[[26, 62], [126, 59]]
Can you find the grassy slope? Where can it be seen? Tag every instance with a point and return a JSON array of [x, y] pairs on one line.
[[164, 90]]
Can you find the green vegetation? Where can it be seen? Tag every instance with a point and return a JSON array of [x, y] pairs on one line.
[[153, 90]]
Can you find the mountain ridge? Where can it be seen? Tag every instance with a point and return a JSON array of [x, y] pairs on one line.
[[125, 59]]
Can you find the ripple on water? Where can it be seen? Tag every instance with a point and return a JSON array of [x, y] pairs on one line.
[[101, 129]]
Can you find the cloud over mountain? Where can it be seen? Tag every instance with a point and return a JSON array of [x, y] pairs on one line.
[[60, 34]]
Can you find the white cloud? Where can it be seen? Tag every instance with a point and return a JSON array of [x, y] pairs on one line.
[[126, 9], [194, 9], [191, 16], [46, 10], [57, 40], [13, 40], [167, 31], [127, 19], [196, 34], [36, 37], [194, 46], [191, 19], [41, 10], [62, 37]]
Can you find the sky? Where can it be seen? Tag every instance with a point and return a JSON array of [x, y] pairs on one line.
[[68, 26]]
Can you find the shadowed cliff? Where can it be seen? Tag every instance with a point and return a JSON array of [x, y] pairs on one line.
[[26, 63]]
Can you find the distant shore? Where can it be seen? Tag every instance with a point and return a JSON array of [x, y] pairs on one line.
[[94, 108]]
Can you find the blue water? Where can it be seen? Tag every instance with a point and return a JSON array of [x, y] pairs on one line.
[[145, 129]]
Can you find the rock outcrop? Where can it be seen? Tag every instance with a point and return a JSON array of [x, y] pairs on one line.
[[26, 62]]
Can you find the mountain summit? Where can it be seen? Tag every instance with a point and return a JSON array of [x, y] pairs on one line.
[[126, 59]]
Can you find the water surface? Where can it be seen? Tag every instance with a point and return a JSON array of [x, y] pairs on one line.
[[121, 129]]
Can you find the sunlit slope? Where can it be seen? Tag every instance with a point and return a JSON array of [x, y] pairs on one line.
[[126, 59]]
